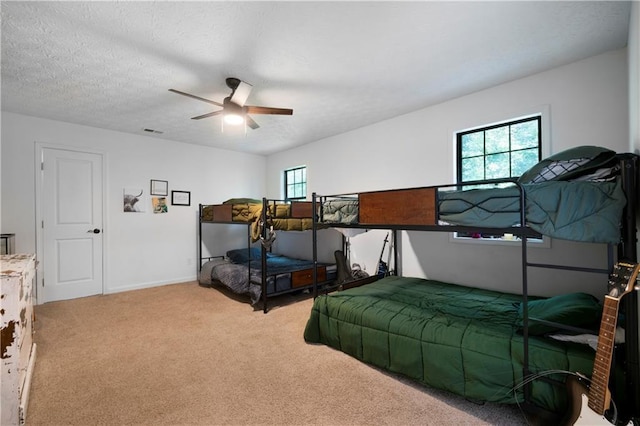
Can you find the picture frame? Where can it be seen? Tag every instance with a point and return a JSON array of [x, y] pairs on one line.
[[180, 198], [159, 187], [134, 200]]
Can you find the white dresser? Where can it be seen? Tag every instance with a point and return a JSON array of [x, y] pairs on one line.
[[17, 349]]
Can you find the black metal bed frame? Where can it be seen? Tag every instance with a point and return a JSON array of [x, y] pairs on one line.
[[626, 250], [263, 252]]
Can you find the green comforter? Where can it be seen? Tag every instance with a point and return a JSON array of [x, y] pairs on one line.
[[578, 211], [460, 339]]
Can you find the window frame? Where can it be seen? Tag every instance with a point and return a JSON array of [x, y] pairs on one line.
[[303, 182], [542, 116], [485, 129]]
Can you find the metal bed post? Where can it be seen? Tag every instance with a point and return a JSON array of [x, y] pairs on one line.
[[628, 251], [525, 295], [629, 172], [265, 206], [394, 238], [199, 265], [249, 254], [314, 239]]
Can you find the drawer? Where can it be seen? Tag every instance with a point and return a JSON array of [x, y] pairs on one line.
[[305, 277]]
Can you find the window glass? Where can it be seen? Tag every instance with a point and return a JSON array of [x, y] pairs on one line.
[[525, 135], [497, 140], [473, 169], [521, 161], [295, 183], [473, 144], [497, 166]]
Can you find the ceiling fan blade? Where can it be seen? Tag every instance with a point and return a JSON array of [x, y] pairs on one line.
[[268, 110], [211, 114], [241, 93], [251, 122], [195, 97]]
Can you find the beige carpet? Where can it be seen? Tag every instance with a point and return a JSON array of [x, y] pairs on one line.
[[187, 355]]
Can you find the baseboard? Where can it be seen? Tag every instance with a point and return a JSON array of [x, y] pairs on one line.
[[141, 286]]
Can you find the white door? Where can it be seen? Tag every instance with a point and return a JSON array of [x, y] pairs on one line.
[[71, 210]]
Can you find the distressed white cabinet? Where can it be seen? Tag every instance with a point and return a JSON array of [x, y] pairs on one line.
[[17, 349]]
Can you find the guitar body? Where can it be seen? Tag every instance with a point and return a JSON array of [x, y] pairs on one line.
[[590, 403], [580, 413]]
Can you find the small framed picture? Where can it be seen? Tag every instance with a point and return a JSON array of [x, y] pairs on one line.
[[159, 187], [180, 198]]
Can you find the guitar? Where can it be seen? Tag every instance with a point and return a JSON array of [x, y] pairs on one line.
[[383, 269], [589, 402]]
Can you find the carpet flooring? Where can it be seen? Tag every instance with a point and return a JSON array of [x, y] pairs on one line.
[[188, 355]]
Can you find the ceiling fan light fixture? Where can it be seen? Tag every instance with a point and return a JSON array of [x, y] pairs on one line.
[[233, 119], [234, 112]]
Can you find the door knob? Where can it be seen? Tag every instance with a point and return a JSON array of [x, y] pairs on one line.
[[94, 231]]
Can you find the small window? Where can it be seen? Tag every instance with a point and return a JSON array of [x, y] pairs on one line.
[[499, 151], [295, 183]]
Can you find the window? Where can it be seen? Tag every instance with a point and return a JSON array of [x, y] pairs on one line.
[[295, 183], [499, 151]]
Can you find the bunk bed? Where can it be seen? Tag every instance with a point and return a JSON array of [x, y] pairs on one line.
[[286, 216], [257, 272], [482, 344]]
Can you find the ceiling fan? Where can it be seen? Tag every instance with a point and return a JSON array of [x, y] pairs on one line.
[[234, 110]]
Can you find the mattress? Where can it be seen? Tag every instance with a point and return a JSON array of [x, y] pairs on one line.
[[246, 277], [583, 211], [340, 211], [577, 210], [282, 216], [464, 340]]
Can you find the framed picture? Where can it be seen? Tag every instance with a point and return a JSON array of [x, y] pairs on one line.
[[180, 198], [159, 204], [159, 187], [134, 200]]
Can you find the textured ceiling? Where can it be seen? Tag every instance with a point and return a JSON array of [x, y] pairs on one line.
[[338, 65]]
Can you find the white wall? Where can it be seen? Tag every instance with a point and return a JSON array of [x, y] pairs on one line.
[[588, 105], [141, 250]]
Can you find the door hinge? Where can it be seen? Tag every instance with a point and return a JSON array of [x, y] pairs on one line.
[[42, 165], [43, 224], [43, 282]]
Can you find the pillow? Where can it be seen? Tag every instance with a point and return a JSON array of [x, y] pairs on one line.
[[243, 255], [568, 164], [574, 309]]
